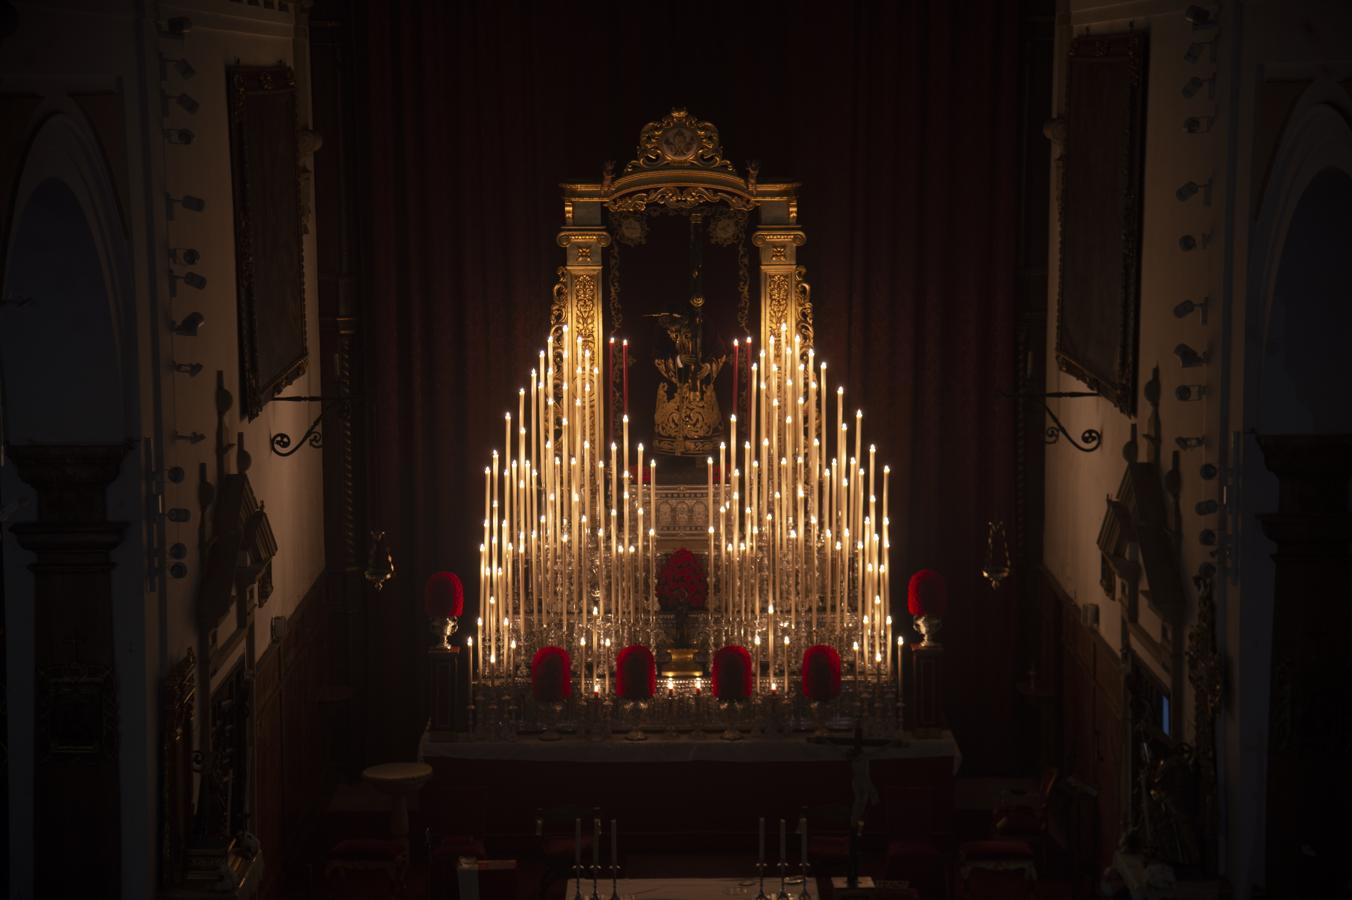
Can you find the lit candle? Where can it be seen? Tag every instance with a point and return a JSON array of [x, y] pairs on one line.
[[624, 369], [736, 363]]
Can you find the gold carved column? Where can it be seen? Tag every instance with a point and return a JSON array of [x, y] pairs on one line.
[[785, 296], [577, 304]]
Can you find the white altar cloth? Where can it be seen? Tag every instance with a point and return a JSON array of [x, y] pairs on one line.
[[684, 748]]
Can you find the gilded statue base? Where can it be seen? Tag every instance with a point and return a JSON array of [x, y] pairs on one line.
[[681, 662], [687, 446]]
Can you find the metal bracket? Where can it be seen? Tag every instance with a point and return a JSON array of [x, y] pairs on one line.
[[1091, 439], [282, 442]]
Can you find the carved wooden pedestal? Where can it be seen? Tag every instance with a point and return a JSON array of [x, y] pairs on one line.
[[447, 694], [926, 711]]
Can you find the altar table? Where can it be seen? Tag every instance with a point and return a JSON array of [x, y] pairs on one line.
[[687, 786]]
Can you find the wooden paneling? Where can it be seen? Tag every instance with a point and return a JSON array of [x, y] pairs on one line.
[[1092, 727], [290, 746]]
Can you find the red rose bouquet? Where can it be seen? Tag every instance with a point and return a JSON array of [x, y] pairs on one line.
[[682, 582]]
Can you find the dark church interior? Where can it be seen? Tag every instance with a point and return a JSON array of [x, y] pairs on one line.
[[779, 449]]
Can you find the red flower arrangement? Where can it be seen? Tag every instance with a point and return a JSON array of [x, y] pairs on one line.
[[551, 674], [635, 673], [821, 673], [682, 582], [732, 673], [926, 595], [443, 596]]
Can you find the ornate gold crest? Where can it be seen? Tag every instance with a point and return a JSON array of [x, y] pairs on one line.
[[679, 139]]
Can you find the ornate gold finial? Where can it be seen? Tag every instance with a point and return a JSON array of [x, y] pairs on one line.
[[679, 140]]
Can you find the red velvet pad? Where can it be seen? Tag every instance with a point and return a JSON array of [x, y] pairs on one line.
[[821, 673], [551, 674], [443, 596], [635, 673], [996, 850], [456, 846], [367, 850], [926, 595], [732, 673]]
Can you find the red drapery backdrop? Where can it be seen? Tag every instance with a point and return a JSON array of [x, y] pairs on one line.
[[899, 119]]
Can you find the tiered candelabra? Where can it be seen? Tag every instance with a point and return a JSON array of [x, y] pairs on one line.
[[797, 547]]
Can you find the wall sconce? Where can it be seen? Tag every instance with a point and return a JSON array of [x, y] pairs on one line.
[[182, 136], [189, 369], [1196, 83], [1208, 471], [177, 27], [1198, 124], [1190, 443], [187, 256], [1207, 507], [188, 202], [1189, 358], [379, 566], [181, 66], [190, 325], [1190, 392], [1188, 307], [1187, 243], [1189, 189], [996, 566]]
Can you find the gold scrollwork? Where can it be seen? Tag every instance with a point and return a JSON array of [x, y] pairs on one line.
[[778, 287], [761, 238], [804, 291], [677, 197], [681, 140], [584, 293]]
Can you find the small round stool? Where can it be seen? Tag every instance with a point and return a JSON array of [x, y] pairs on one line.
[[400, 781]]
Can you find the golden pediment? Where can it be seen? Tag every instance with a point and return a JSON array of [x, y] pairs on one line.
[[679, 140]]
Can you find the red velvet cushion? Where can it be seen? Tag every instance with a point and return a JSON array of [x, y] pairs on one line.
[[551, 674], [635, 673], [443, 596], [1018, 820], [926, 594], [455, 846], [732, 673], [557, 845], [367, 850], [998, 884], [911, 850], [828, 847], [996, 850], [821, 673]]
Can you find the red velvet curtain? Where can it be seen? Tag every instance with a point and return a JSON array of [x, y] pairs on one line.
[[899, 119]]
